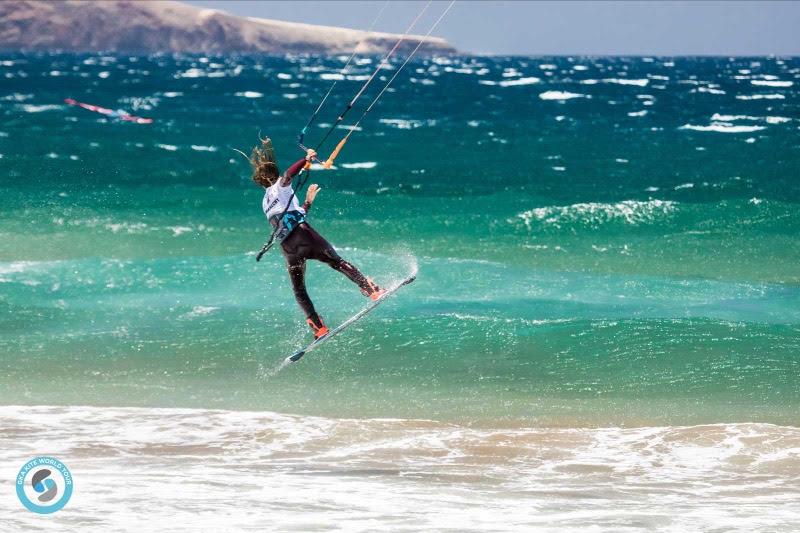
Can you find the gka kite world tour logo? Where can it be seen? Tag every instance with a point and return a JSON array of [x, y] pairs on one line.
[[44, 485]]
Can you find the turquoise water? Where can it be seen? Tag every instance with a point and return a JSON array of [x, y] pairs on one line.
[[600, 242]]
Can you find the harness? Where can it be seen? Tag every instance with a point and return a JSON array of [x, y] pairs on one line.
[[284, 224]]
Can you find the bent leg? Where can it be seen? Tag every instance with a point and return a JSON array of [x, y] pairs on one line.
[[353, 274], [323, 251]]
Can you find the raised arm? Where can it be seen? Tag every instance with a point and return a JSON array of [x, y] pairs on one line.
[[291, 172], [295, 169], [313, 189]]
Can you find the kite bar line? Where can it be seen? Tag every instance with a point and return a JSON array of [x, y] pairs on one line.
[[329, 162], [383, 62], [302, 181], [335, 153], [342, 72]]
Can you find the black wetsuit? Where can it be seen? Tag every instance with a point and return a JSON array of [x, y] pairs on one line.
[[304, 243]]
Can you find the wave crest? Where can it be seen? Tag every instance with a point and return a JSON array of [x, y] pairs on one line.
[[595, 214]]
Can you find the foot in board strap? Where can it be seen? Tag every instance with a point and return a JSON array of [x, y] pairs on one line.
[[373, 291], [317, 327]]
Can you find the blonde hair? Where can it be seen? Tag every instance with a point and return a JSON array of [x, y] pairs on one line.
[[265, 169]]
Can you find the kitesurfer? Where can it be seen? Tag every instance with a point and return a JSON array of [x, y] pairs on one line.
[[299, 241]]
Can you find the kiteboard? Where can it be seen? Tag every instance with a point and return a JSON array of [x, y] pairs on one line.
[[341, 327]]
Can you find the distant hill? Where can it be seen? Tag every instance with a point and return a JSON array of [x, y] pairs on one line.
[[165, 26]]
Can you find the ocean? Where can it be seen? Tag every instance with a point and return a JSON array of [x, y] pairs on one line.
[[604, 333]]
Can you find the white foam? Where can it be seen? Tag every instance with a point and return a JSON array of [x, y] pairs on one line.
[[201, 148], [772, 83], [722, 127], [731, 118], [559, 95], [365, 165], [31, 108], [168, 147], [365, 474], [521, 81], [127, 227], [641, 113], [760, 97], [512, 83], [459, 70], [625, 81], [710, 90], [179, 230], [16, 97], [406, 124], [16, 267], [249, 94], [191, 73], [331, 76], [628, 211], [200, 310]]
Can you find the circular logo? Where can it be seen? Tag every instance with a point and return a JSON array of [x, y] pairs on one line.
[[44, 485]]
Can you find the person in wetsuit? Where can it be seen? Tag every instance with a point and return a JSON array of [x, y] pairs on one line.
[[299, 241]]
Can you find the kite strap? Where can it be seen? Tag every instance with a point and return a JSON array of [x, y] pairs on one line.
[[329, 162]]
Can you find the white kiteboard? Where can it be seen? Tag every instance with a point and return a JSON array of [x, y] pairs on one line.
[[338, 329]]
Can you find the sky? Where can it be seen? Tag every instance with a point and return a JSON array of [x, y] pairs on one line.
[[564, 28]]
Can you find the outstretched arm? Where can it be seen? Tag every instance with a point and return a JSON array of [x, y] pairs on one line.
[[295, 169]]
